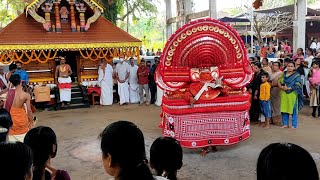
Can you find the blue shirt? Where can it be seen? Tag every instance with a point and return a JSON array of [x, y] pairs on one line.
[[23, 74]]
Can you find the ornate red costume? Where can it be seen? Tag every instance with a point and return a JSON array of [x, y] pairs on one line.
[[203, 71]]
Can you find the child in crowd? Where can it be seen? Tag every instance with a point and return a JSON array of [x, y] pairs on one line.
[[166, 157], [5, 124], [314, 80], [264, 98], [16, 161], [43, 142], [286, 161]]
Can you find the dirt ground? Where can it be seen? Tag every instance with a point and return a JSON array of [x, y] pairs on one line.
[[79, 152]]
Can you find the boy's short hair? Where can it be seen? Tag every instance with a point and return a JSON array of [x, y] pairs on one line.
[[266, 75], [15, 79]]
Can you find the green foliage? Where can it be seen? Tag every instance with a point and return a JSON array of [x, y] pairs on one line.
[[9, 10], [120, 9]]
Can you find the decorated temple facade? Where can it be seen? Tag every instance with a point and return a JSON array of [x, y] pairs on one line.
[[71, 28]]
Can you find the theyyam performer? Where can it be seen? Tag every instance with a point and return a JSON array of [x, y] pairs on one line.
[[63, 79], [203, 71]]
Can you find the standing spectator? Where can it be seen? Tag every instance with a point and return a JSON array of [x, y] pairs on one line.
[[116, 139], [22, 118], [43, 142], [299, 55], [254, 87], [5, 124], [264, 98], [287, 47], [291, 97], [263, 51], [159, 52], [152, 83], [148, 53], [286, 161], [309, 58], [285, 63], [315, 92], [133, 82], [3, 80], [12, 69], [265, 65], [23, 74], [318, 45], [116, 98], [143, 73], [152, 52], [122, 75], [105, 81], [313, 44], [16, 161], [275, 92], [166, 157]]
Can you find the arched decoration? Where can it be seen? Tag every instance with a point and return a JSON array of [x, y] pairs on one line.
[[93, 18], [205, 43], [7, 57], [110, 53]]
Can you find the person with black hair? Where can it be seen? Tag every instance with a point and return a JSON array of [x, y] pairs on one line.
[[22, 118], [23, 73], [12, 69], [314, 80], [265, 65], [5, 124], [254, 87], [286, 161], [16, 161], [264, 97], [291, 96], [43, 142], [116, 138], [166, 157]]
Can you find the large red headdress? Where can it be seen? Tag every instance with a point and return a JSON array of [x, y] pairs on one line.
[[200, 44]]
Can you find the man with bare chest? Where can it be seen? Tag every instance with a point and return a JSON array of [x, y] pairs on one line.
[[63, 80]]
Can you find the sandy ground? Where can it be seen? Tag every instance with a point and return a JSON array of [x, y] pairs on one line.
[[79, 152]]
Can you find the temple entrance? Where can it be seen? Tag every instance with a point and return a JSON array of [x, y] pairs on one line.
[[71, 59]]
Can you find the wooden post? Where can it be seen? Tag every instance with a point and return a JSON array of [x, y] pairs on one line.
[[168, 16], [73, 17], [57, 16], [213, 9]]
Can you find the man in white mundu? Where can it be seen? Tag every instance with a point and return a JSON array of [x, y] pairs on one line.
[[105, 81], [122, 75], [133, 83], [63, 72]]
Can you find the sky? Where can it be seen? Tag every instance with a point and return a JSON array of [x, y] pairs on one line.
[[202, 5]]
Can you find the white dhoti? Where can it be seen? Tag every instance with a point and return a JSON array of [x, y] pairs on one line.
[[65, 89], [134, 93], [16, 138], [123, 91], [106, 83], [106, 97], [159, 96]]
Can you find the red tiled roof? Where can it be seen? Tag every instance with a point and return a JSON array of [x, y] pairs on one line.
[[24, 33]]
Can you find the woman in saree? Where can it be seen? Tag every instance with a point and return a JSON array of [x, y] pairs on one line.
[[275, 93], [254, 87], [291, 96]]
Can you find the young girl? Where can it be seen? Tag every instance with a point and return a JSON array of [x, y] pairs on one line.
[[314, 80], [166, 157], [123, 152], [43, 142]]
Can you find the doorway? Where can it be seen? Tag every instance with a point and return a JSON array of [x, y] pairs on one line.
[[71, 59]]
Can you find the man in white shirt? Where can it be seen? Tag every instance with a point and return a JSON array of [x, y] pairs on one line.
[[122, 76], [133, 83]]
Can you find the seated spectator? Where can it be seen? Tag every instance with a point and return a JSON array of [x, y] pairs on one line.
[[43, 142], [166, 157], [5, 124], [16, 161], [123, 152], [286, 161]]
